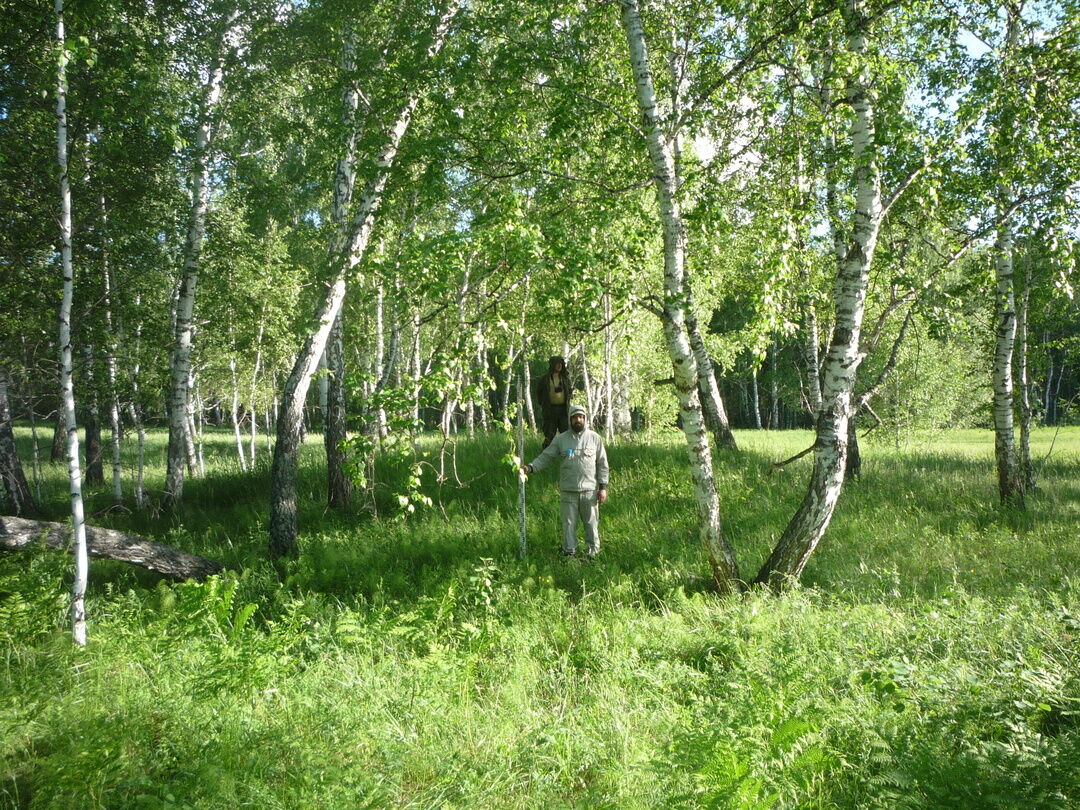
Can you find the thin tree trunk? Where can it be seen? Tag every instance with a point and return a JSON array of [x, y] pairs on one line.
[[234, 413], [252, 400], [755, 396], [59, 442], [1027, 469], [810, 520], [1010, 482], [1049, 401], [36, 458], [78, 588], [609, 384], [110, 366], [339, 484], [95, 466], [136, 412], [712, 403], [183, 338], [283, 520], [676, 303], [774, 391], [16, 488]]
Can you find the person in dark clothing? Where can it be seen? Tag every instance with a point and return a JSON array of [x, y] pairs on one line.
[[553, 394]]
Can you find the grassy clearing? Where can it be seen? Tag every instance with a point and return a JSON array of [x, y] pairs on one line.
[[930, 660]]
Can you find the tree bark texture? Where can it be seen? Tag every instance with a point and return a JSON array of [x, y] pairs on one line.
[[811, 519], [676, 303], [20, 534], [1010, 484], [283, 521]]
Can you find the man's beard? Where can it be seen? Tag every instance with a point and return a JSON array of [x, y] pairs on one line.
[[577, 427]]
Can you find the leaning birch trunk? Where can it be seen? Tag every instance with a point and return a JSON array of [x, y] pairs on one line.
[[67, 394], [676, 299], [16, 488], [283, 522], [183, 338], [712, 403], [810, 520], [1010, 486]]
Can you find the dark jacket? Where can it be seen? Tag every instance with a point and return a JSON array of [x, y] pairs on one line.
[[542, 385]]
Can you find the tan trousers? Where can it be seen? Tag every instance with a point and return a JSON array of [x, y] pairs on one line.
[[580, 507]]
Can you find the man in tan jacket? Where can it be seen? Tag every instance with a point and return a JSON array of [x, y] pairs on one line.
[[583, 480]]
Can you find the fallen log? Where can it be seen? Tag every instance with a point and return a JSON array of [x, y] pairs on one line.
[[19, 533]]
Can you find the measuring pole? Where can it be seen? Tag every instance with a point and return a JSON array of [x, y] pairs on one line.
[[521, 475]]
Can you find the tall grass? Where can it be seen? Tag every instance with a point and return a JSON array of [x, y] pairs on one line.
[[929, 660]]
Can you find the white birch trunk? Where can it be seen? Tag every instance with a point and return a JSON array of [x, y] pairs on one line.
[[234, 413], [676, 300], [110, 370], [183, 338], [338, 484], [609, 385], [78, 588], [136, 412], [1010, 486], [252, 399], [811, 519], [283, 522]]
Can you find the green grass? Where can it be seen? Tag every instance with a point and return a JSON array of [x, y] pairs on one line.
[[930, 659]]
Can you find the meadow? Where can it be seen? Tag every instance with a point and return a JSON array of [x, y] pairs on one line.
[[929, 658]]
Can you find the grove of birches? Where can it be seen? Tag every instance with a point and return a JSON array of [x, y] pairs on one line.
[[302, 263]]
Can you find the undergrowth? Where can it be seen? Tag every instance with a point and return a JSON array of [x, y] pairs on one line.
[[928, 660]]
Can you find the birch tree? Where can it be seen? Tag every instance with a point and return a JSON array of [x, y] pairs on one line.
[[283, 521], [180, 362], [676, 301], [78, 588]]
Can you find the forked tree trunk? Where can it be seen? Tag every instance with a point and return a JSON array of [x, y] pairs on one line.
[[810, 520], [676, 303], [283, 521], [78, 587], [16, 488]]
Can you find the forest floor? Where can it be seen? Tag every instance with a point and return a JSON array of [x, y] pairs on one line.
[[930, 658]]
